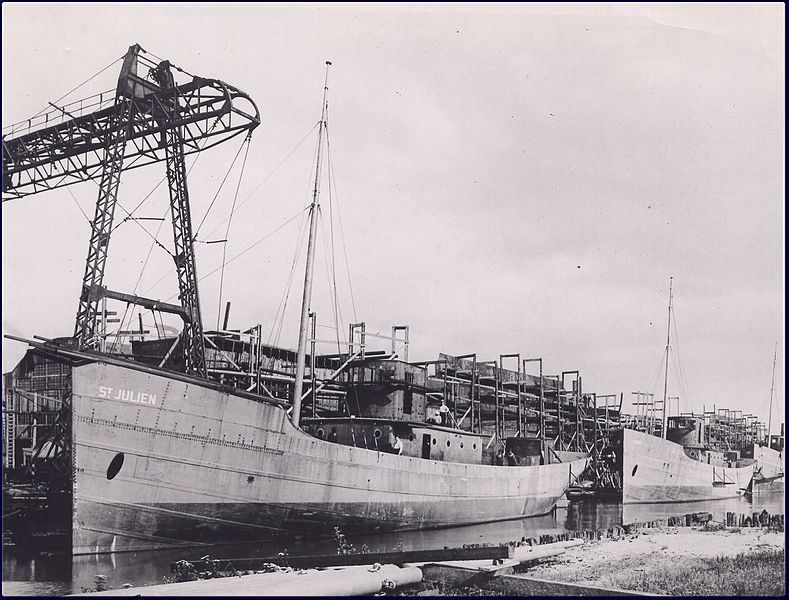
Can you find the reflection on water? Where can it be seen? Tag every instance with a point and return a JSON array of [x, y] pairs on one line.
[[772, 503], [27, 572]]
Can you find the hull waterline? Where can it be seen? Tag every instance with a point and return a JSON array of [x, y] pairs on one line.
[[163, 462], [656, 470]]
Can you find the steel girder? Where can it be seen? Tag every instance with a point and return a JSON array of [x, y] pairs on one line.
[[72, 150], [185, 262], [101, 226]]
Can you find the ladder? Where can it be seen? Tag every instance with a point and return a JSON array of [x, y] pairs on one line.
[[9, 431]]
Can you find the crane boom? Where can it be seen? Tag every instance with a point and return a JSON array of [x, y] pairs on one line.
[[149, 120], [67, 146]]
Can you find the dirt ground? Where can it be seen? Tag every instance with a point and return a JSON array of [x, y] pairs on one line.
[[650, 553]]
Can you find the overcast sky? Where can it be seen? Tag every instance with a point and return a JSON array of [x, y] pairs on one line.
[[510, 178]]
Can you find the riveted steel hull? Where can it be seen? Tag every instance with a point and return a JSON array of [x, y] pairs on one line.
[[769, 476], [657, 470], [204, 466]]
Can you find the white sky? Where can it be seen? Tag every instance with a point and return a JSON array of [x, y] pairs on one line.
[[511, 178]]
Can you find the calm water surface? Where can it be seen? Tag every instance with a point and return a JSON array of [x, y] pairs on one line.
[[28, 572]]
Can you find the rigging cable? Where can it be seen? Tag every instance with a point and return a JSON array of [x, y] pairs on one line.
[[332, 282], [166, 211], [684, 387], [73, 197], [227, 174], [342, 233], [276, 325], [164, 275], [652, 361], [269, 176], [247, 249], [300, 241], [660, 368], [155, 241], [279, 317], [130, 217], [139, 277], [336, 300], [134, 210], [227, 231], [76, 88], [164, 177]]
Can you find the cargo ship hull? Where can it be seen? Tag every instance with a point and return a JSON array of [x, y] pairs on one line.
[[166, 461], [768, 477], [657, 470]]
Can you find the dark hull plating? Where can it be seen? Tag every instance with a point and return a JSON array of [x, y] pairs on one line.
[[203, 466]]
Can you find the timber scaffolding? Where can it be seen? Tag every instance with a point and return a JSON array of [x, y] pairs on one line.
[[721, 429], [504, 403], [481, 395], [730, 430]]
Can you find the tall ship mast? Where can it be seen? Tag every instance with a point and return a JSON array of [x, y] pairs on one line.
[[772, 389], [301, 352], [668, 350]]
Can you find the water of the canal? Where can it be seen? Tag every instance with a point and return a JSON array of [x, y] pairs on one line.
[[35, 572]]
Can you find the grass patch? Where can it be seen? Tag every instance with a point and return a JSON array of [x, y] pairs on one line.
[[757, 573]]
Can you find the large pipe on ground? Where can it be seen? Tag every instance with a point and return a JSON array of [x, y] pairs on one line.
[[345, 582], [527, 553], [349, 581]]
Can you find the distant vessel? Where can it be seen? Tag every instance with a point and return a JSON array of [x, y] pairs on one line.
[[163, 458], [768, 477], [685, 463], [769, 474], [660, 470]]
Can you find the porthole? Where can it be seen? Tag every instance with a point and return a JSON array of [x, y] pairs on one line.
[[447, 443], [321, 432], [434, 441], [461, 444], [633, 474], [474, 446], [115, 465], [377, 434]]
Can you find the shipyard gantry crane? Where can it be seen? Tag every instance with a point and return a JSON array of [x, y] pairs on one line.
[[148, 119]]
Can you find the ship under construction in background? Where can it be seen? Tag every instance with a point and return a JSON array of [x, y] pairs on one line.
[[691, 457], [151, 439]]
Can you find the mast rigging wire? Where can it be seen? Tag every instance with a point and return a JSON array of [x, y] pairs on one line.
[[683, 384], [84, 214], [164, 177], [308, 208], [247, 249], [240, 254], [333, 181], [269, 176], [279, 318], [43, 110], [222, 183], [332, 282], [337, 308], [227, 231], [266, 179]]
